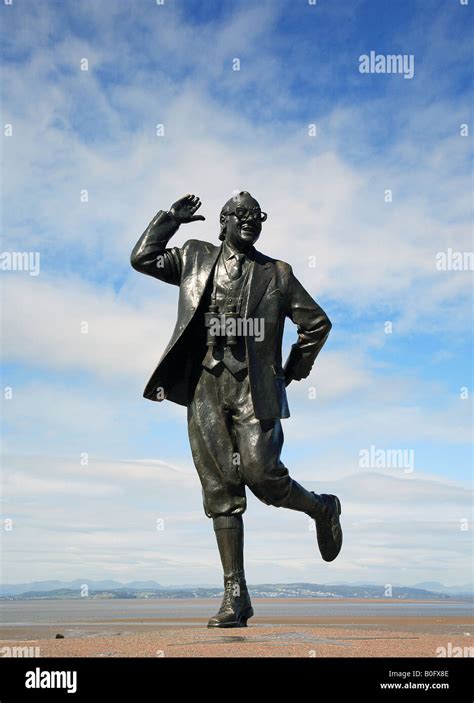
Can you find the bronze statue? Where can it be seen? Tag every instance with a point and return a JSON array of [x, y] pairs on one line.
[[224, 363]]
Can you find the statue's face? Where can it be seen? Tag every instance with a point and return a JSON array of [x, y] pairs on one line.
[[243, 227]]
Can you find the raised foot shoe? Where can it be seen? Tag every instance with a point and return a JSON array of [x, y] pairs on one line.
[[236, 607], [328, 527]]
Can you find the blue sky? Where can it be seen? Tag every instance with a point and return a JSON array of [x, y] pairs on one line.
[[77, 393]]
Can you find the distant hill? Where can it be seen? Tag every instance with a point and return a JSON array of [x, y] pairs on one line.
[[151, 589], [47, 586], [465, 590]]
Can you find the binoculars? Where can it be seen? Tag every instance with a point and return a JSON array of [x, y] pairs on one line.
[[221, 326]]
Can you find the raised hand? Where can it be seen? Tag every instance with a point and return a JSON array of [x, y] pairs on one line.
[[183, 209]]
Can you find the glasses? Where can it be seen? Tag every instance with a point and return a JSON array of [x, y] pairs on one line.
[[242, 213]]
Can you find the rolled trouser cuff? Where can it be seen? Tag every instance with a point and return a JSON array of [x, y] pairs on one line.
[[227, 522]]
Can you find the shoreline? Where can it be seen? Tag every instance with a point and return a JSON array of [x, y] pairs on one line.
[[266, 599]]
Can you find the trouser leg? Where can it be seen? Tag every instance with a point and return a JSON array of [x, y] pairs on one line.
[[259, 443], [213, 448], [302, 500]]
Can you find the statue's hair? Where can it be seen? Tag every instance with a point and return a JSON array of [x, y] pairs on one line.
[[226, 209]]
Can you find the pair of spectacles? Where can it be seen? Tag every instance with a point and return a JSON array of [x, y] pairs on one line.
[[242, 213]]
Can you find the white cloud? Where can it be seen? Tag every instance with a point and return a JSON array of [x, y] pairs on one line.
[[390, 523], [45, 322]]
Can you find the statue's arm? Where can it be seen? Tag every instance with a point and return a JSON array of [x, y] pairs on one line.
[[313, 327], [150, 255]]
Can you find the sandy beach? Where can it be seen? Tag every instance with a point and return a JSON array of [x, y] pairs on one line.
[[274, 635], [254, 641]]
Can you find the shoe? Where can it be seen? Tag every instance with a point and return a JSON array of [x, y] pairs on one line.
[[328, 527], [235, 609]]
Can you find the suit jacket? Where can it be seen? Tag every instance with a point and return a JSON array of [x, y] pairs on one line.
[[273, 294]]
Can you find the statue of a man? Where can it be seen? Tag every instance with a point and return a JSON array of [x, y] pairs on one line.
[[224, 363]]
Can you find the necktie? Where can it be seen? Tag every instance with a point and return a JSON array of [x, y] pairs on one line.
[[236, 269]]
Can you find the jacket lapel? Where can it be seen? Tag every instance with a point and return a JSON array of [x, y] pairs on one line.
[[260, 277], [200, 273]]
